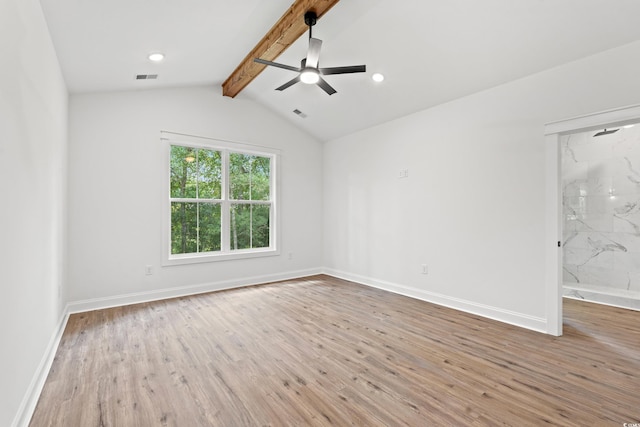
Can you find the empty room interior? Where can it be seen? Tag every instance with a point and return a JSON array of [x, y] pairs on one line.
[[319, 212]]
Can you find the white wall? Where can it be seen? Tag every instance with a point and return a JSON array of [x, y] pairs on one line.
[[473, 205], [116, 194], [33, 148]]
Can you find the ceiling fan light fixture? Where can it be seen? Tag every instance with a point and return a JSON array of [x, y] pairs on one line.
[[309, 76]]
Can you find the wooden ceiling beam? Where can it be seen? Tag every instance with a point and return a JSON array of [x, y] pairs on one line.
[[282, 35]]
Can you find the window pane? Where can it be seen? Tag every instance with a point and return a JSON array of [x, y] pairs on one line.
[[209, 174], [249, 177], [195, 173], [239, 168], [209, 229], [183, 228], [249, 226], [183, 172], [260, 226], [260, 178], [240, 237], [195, 227]]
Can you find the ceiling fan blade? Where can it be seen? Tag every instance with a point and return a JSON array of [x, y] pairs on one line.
[[289, 83], [326, 86], [343, 70], [313, 54], [275, 64]]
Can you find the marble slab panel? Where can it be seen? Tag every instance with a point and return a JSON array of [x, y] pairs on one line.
[[581, 257], [630, 241], [602, 222], [595, 152], [629, 262], [575, 170], [629, 223], [595, 240], [606, 168], [603, 277], [626, 184]]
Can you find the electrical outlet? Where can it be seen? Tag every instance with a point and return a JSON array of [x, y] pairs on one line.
[[404, 173], [148, 270], [425, 269]]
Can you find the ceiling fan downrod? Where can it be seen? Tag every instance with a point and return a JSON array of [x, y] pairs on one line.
[[310, 18]]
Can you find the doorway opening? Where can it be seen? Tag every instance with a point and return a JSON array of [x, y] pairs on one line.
[[600, 173], [569, 211]]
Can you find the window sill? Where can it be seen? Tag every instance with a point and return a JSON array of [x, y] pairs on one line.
[[212, 257]]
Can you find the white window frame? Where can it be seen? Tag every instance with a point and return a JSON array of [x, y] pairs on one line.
[[225, 148]]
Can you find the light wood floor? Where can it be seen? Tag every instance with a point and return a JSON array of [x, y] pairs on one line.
[[322, 351]]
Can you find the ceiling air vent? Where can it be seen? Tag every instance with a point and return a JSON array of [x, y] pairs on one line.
[[146, 76], [300, 113]]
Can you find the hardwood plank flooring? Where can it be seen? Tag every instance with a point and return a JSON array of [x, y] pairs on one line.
[[322, 351]]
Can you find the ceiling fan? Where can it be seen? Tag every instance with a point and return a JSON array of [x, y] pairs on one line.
[[309, 71]]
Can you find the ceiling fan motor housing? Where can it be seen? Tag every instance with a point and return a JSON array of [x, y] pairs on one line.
[[310, 18]]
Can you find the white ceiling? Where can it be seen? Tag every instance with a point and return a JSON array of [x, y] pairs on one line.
[[429, 51]]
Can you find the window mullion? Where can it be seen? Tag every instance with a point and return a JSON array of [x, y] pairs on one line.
[[197, 226], [193, 200], [251, 206], [225, 208], [197, 204]]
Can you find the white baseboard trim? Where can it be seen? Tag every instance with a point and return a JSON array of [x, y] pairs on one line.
[[160, 294], [30, 399], [537, 324]]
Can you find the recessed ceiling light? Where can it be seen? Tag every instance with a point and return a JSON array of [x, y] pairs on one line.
[[377, 77], [156, 57], [628, 126]]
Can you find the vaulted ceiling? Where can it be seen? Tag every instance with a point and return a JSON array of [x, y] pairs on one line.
[[429, 51]]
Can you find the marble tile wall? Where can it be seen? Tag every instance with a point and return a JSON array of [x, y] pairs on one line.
[[601, 207]]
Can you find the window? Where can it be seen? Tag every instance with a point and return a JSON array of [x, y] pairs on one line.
[[221, 201]]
